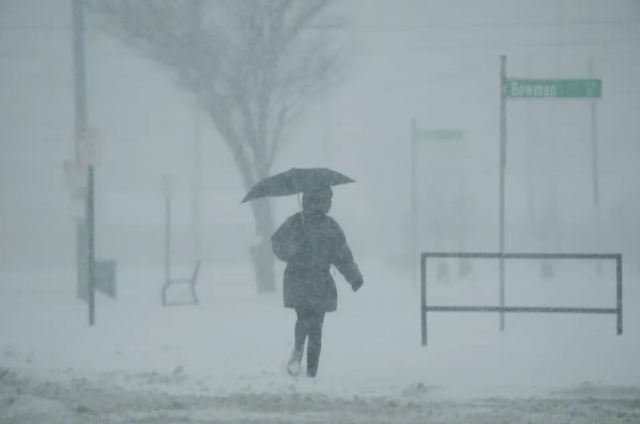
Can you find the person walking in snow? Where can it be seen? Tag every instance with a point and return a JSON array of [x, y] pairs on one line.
[[310, 242]]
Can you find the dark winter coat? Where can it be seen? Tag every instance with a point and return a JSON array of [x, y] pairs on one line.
[[309, 250]]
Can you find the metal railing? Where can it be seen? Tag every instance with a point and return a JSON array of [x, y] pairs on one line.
[[514, 309]]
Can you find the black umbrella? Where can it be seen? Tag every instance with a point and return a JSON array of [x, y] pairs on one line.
[[296, 181]]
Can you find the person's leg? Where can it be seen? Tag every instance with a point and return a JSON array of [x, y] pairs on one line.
[[300, 335], [301, 329], [315, 343]]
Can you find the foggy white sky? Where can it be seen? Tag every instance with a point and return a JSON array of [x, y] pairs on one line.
[[435, 61]]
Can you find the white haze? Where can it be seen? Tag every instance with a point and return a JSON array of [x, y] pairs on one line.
[[434, 61]]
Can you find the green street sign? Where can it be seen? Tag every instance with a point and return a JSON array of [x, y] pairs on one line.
[[556, 88], [438, 135]]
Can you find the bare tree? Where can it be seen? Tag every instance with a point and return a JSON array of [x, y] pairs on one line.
[[252, 64]]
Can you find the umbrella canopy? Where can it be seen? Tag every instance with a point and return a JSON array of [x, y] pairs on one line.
[[296, 181]]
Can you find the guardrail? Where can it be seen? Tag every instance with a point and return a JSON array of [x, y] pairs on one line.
[[517, 309]]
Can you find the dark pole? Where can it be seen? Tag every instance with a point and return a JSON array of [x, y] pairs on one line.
[[91, 245], [414, 188], [619, 292], [594, 143], [594, 170], [423, 297], [503, 162], [81, 128]]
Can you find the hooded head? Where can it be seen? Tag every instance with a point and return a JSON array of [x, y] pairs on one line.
[[317, 200]]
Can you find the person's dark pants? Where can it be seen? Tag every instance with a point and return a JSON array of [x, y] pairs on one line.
[[309, 323]]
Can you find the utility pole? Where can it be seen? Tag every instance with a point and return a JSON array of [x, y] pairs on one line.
[[81, 127]]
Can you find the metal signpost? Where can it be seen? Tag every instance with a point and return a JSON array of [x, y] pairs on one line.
[[530, 88], [594, 170], [87, 140], [414, 194], [86, 145]]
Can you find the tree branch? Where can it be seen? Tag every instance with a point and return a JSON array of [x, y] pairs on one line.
[[248, 62]]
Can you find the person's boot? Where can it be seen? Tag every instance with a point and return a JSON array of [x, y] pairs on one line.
[[293, 366]]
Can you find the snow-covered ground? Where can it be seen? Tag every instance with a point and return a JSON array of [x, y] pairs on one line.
[[223, 361]]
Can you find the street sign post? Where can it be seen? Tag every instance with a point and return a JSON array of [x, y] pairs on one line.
[[531, 88], [554, 88], [86, 142]]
